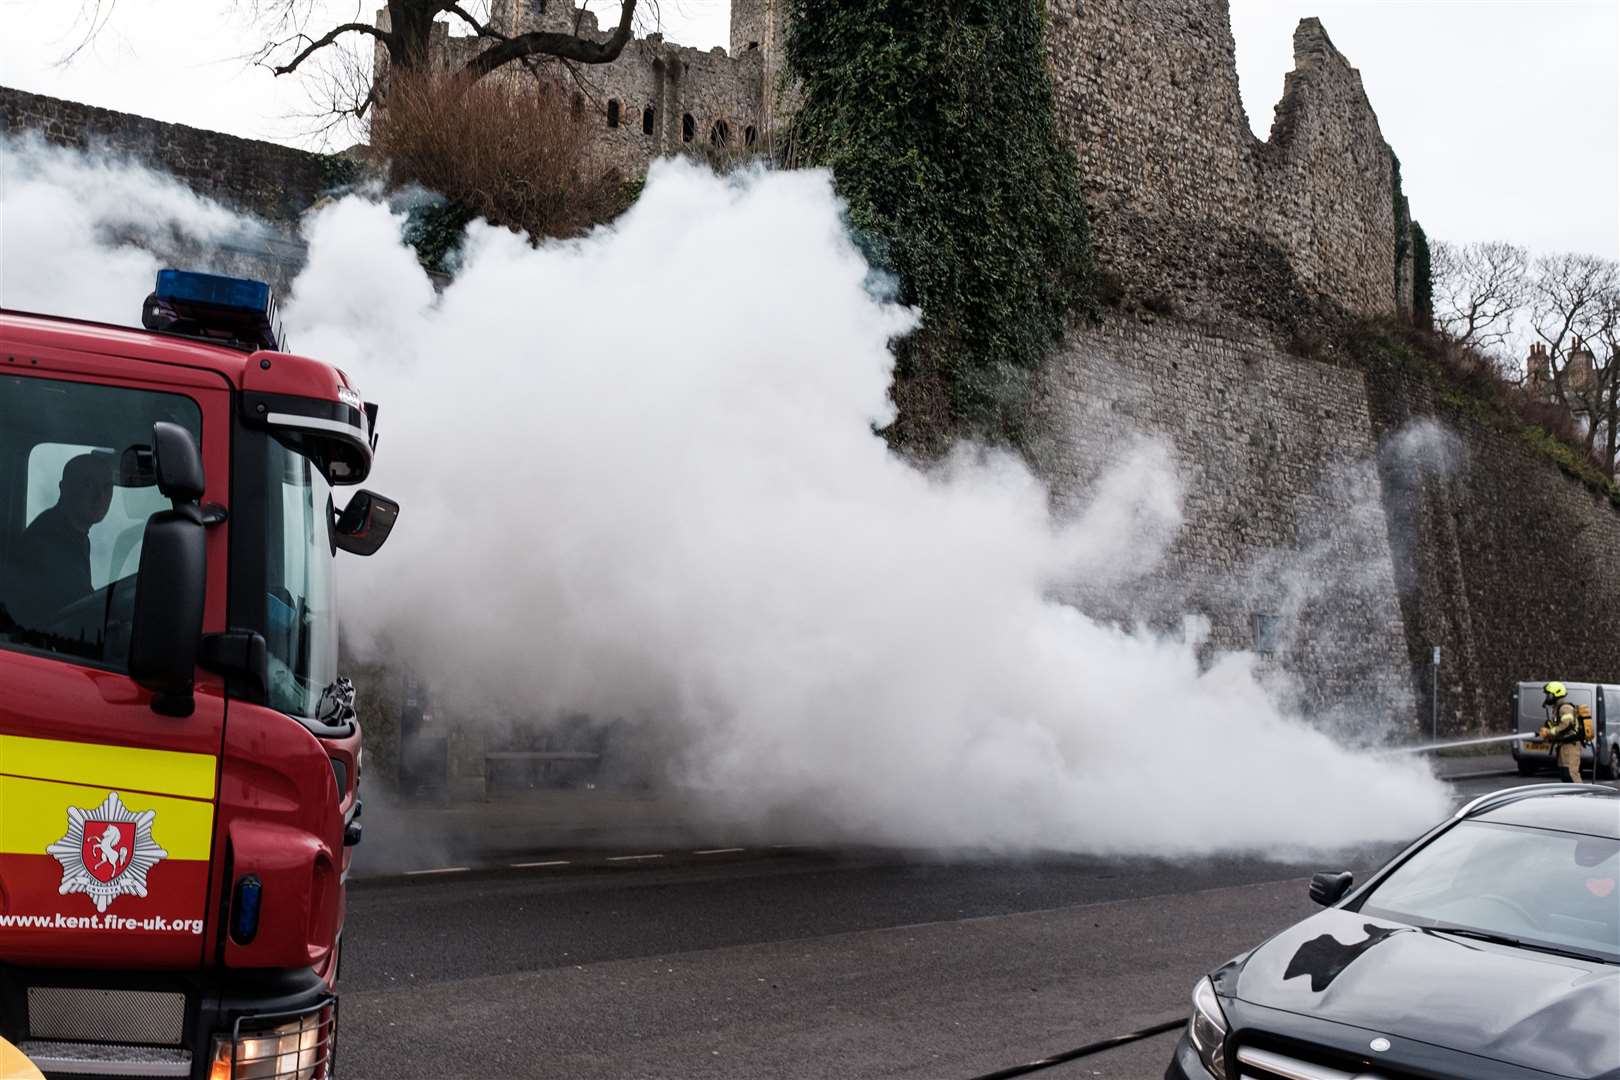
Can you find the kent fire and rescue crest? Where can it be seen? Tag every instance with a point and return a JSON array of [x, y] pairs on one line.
[[107, 851]]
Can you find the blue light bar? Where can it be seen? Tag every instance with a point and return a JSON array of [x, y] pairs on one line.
[[238, 310], [240, 294]]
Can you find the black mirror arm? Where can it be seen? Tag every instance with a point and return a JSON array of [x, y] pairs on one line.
[[243, 658], [170, 584]]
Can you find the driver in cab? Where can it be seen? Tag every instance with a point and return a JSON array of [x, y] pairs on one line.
[[52, 567]]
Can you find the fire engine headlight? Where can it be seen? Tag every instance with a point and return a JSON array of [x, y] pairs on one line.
[[299, 1050], [1207, 1029]]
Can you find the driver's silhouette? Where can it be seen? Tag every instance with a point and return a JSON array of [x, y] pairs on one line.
[[52, 567]]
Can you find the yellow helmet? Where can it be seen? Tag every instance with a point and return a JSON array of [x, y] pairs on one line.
[[1555, 689]]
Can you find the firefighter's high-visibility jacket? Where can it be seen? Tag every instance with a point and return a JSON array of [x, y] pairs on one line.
[[1565, 726]]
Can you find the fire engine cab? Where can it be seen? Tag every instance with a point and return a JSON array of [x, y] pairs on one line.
[[179, 757]]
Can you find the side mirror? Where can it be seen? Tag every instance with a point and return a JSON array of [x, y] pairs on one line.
[[166, 625], [363, 526], [1328, 888]]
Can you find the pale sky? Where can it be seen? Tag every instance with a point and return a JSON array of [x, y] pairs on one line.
[[1505, 113]]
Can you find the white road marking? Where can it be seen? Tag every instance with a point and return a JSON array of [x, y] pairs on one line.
[[631, 858], [549, 862], [719, 851], [440, 870]]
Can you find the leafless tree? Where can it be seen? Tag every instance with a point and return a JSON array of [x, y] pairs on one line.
[[294, 36], [1479, 292], [1608, 341], [1574, 303]]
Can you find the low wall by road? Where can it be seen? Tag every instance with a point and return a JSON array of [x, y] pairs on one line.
[[274, 182]]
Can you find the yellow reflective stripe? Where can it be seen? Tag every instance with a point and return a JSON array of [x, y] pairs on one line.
[[170, 772], [33, 816]]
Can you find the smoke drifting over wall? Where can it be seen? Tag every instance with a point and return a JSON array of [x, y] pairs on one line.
[[640, 481]]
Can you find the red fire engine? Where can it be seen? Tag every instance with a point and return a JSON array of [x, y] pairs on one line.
[[179, 758]]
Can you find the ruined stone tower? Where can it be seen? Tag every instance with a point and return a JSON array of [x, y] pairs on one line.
[[1187, 205], [760, 27]]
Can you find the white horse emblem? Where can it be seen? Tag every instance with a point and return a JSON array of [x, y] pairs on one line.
[[110, 856], [107, 851]]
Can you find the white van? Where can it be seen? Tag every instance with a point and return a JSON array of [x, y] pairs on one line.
[[1529, 714]]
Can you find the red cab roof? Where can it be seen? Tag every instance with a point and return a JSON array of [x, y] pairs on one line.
[[263, 371]]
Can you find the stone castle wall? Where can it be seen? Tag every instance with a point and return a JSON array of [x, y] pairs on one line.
[[1190, 212], [1317, 516], [1189, 209], [271, 181], [1342, 520], [1509, 566], [1285, 549]]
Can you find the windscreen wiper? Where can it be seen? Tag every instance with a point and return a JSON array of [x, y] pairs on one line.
[[1519, 943], [336, 705]]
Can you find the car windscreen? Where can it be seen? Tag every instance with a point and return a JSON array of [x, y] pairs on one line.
[[1542, 887], [300, 603]]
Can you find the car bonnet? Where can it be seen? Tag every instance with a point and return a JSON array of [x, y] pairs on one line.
[[1540, 1011]]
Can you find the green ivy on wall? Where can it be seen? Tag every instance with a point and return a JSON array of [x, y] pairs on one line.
[[1402, 217], [339, 171], [435, 230], [937, 121], [1422, 279]]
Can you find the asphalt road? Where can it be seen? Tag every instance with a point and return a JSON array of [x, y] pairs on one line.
[[777, 963]]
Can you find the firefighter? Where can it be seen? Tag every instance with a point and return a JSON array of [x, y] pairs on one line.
[[1563, 730], [53, 558]]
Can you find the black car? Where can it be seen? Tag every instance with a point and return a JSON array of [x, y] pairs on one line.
[[1488, 949]]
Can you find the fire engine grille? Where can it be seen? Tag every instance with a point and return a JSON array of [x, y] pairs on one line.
[[146, 1017]]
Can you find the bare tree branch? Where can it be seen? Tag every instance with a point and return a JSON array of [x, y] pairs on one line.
[[563, 46], [481, 29], [327, 39], [1479, 290], [96, 14], [1574, 303]]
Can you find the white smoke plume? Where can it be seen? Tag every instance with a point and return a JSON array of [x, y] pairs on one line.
[[1424, 448], [640, 481], [82, 233]]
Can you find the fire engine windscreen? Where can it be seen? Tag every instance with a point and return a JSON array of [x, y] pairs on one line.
[[640, 482]]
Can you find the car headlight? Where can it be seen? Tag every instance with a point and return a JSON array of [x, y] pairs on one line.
[[1207, 1029]]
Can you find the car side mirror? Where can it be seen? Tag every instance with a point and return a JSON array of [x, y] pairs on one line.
[[362, 527], [166, 624], [1328, 888]]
